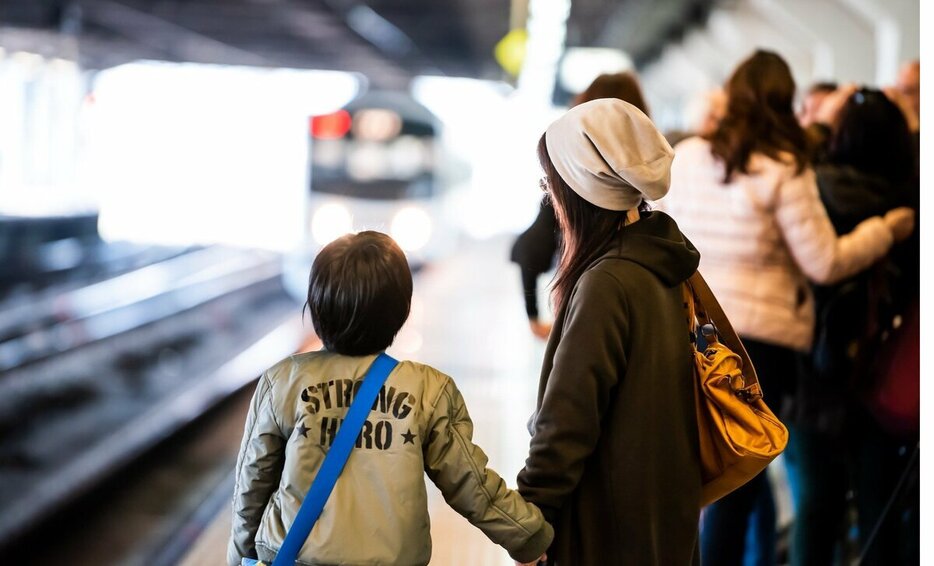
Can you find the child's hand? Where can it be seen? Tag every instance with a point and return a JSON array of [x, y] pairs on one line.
[[541, 559]]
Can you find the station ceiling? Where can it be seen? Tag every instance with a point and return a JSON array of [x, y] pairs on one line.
[[388, 40]]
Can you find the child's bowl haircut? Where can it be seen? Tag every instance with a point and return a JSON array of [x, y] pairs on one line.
[[359, 293]]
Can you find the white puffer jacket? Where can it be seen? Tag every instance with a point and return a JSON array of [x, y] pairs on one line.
[[762, 237]]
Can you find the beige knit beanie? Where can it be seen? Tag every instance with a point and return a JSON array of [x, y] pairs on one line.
[[610, 154]]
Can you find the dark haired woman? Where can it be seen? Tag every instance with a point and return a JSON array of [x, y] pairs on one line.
[[870, 168], [534, 250], [748, 199], [613, 462]]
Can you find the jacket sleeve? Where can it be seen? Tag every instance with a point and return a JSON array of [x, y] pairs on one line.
[[824, 257], [259, 467], [588, 362], [459, 468]]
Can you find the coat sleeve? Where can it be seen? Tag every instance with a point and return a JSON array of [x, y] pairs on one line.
[[259, 467], [459, 468], [534, 250], [824, 257], [589, 361]]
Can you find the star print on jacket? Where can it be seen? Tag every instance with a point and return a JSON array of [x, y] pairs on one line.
[[324, 400], [303, 430]]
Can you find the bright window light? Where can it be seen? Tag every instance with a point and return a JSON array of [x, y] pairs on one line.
[[199, 154], [411, 228], [581, 65], [330, 222]]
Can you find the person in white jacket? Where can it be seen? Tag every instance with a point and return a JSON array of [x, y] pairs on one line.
[[747, 198]]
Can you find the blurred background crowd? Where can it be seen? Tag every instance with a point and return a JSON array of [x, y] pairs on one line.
[[169, 169]]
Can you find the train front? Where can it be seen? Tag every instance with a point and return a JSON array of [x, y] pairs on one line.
[[373, 166]]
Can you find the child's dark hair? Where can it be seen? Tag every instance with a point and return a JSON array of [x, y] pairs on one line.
[[359, 293]]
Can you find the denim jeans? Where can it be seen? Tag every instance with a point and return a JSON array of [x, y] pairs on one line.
[[724, 524], [821, 473]]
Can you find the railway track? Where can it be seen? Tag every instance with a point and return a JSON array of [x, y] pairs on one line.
[[94, 378]]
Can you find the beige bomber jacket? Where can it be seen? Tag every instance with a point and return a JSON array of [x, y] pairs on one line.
[[378, 511]]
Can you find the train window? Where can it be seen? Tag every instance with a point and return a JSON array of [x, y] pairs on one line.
[[376, 124], [372, 153]]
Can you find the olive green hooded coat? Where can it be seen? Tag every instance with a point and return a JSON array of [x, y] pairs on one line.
[[614, 461]]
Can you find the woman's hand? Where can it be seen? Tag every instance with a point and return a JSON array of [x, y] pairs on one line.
[[901, 221], [540, 329], [541, 559]]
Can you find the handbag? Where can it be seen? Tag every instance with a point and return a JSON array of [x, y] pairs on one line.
[[739, 435], [333, 464]]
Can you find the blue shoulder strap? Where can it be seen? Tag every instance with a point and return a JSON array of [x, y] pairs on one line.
[[334, 460]]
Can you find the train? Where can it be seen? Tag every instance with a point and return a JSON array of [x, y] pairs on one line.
[[374, 164]]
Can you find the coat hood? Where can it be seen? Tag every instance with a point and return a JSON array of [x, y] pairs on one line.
[[656, 243]]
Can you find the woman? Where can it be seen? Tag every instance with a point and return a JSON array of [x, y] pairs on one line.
[[535, 249], [748, 199], [613, 462], [870, 168]]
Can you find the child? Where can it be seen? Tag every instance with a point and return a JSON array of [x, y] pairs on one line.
[[359, 295]]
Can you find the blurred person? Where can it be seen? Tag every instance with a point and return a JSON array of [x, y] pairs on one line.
[[912, 119], [821, 122], [908, 84], [811, 104], [624, 86], [812, 113], [906, 94], [535, 249], [748, 199], [614, 458], [870, 168], [715, 110], [359, 295], [828, 115], [702, 115]]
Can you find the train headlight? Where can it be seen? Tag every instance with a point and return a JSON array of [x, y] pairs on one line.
[[330, 222], [411, 228]]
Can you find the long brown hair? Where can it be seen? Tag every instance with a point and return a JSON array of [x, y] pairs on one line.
[[759, 116], [624, 86], [586, 230]]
